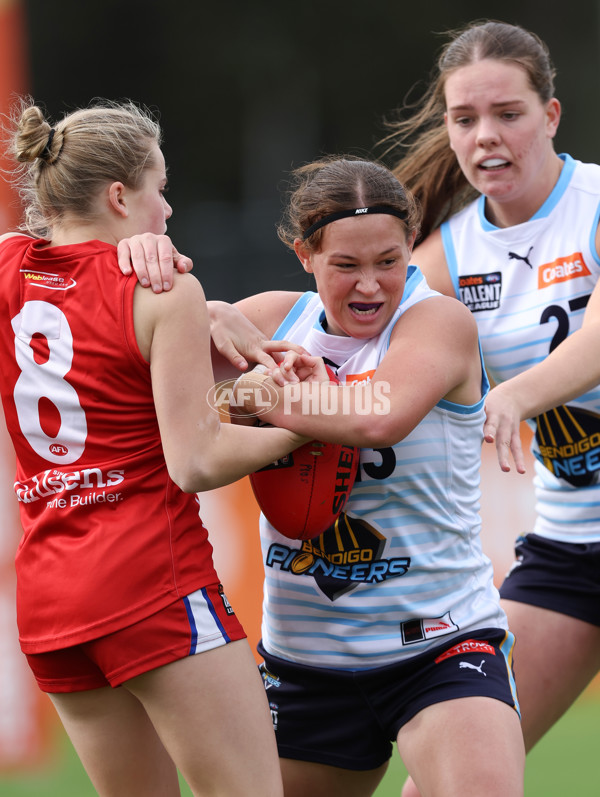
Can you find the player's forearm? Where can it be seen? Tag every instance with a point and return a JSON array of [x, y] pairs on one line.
[[358, 415], [231, 455], [570, 370]]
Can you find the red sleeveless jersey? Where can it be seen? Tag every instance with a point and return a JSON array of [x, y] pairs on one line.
[[108, 537]]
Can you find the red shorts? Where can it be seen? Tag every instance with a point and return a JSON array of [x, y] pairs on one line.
[[199, 622]]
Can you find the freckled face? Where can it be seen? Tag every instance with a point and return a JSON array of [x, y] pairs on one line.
[[360, 272], [500, 130]]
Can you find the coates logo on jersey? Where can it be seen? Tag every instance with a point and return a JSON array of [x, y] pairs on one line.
[[43, 279], [562, 269], [481, 291], [359, 379]]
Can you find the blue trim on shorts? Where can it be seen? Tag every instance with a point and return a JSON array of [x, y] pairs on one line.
[[215, 616], [507, 647], [193, 628]]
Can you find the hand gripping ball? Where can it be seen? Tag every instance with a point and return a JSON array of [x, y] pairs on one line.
[[303, 493]]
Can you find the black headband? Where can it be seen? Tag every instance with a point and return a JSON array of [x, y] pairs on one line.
[[344, 214], [46, 150]]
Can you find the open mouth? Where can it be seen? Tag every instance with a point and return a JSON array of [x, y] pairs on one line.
[[493, 164], [364, 309]]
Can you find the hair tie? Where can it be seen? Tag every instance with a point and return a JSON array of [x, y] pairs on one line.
[[46, 150], [344, 214]]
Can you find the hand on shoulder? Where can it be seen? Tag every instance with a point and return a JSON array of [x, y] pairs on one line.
[[153, 258]]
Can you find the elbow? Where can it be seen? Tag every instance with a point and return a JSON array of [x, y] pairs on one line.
[[378, 432], [193, 478]]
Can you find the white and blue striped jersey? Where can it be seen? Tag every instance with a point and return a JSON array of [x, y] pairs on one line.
[[402, 567], [528, 286]]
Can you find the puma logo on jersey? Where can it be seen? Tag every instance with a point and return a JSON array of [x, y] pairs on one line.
[[465, 664], [524, 258], [562, 269]]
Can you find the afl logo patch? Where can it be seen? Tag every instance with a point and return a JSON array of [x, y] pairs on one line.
[[481, 291]]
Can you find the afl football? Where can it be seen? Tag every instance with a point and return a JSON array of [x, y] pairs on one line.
[[303, 493]]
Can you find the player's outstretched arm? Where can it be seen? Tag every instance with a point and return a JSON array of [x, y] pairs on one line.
[[381, 410], [570, 370], [502, 427], [201, 452]]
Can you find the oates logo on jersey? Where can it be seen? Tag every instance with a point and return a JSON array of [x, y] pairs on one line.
[[481, 291], [562, 269]]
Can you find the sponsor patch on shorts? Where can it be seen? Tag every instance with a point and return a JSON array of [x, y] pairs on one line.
[[468, 646]]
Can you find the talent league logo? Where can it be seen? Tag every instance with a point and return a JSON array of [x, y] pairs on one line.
[[481, 291]]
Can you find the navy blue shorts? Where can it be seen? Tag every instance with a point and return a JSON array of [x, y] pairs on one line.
[[349, 719], [561, 576]]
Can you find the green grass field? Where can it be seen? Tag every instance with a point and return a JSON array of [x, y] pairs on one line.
[[562, 763]]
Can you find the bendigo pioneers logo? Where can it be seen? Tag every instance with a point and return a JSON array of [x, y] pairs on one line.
[[568, 440], [346, 555]]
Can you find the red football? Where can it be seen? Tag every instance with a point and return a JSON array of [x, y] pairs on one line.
[[303, 494]]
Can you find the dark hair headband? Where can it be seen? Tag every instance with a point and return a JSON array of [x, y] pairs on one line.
[[46, 150], [344, 214]]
